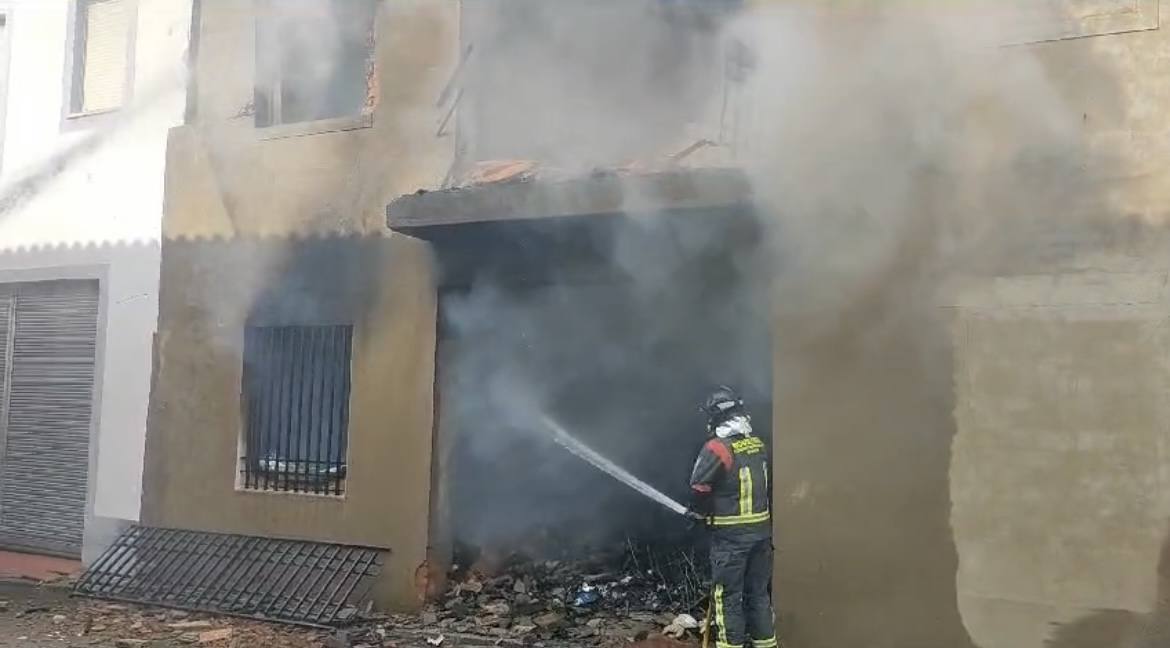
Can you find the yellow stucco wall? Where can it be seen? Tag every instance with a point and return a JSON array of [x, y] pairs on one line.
[[985, 463], [1060, 467], [244, 207]]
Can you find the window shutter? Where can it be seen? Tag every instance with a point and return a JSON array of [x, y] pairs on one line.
[[104, 58]]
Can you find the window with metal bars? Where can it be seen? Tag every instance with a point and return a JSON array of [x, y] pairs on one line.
[[296, 408]]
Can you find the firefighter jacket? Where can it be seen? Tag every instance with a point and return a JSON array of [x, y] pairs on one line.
[[732, 474]]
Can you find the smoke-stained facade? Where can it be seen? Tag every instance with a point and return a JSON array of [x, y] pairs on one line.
[[532, 68], [277, 268], [952, 275]]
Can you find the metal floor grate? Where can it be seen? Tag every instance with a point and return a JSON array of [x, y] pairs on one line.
[[307, 583]]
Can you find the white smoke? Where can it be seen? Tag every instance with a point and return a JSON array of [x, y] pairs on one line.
[[890, 149]]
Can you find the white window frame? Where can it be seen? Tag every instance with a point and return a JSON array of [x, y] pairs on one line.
[[71, 114], [5, 71]]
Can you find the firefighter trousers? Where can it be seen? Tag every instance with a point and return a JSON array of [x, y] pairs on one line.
[[741, 571]]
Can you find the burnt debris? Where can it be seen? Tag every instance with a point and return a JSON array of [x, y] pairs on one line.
[[629, 591]]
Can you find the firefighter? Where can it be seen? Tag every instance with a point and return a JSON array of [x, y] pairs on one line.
[[730, 487]]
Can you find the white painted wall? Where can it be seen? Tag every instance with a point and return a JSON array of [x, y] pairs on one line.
[[103, 211]]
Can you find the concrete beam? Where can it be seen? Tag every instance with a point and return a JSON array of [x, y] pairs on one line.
[[602, 193]]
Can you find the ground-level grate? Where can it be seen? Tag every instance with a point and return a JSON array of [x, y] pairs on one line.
[[307, 583]]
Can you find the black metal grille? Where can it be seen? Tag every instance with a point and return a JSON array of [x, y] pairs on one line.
[[306, 583], [296, 398]]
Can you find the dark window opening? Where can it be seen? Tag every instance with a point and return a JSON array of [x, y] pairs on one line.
[[296, 408], [314, 60]]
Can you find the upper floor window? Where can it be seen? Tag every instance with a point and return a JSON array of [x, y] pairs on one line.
[[101, 55], [314, 60]]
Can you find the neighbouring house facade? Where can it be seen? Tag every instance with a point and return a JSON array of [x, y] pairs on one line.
[[89, 90], [1058, 481], [982, 477]]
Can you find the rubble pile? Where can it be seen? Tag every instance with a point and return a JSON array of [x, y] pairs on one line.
[[81, 622], [630, 592]]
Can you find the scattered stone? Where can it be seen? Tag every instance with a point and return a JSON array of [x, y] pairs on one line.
[[339, 639], [211, 636], [487, 620], [32, 610], [549, 620], [685, 621], [661, 642], [59, 618], [435, 641], [429, 618], [675, 631], [127, 643], [4, 606], [458, 607], [498, 608], [519, 587], [645, 617], [188, 625], [526, 606]]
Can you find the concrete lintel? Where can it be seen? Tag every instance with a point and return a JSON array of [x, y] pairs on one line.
[[602, 193]]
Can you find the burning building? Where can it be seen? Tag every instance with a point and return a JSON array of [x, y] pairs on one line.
[[395, 239], [547, 313]]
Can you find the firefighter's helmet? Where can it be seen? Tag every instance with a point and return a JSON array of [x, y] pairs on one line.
[[722, 404]]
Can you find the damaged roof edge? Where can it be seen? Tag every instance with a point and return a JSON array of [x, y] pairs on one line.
[[601, 193]]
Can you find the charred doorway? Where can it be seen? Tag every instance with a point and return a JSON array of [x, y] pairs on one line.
[[614, 325]]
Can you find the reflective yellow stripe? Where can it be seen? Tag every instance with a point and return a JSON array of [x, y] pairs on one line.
[[765, 643], [745, 491], [732, 520], [719, 621], [720, 644], [766, 480]]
